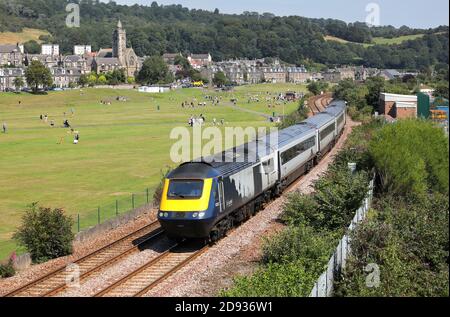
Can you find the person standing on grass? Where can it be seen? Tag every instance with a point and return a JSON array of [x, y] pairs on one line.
[[4, 127], [76, 139]]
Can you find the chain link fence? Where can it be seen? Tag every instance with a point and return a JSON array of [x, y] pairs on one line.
[[324, 285], [112, 210]]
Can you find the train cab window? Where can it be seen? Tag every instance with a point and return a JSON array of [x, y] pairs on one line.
[[268, 166], [185, 189]]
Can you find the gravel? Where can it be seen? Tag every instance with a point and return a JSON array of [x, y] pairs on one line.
[[80, 249]]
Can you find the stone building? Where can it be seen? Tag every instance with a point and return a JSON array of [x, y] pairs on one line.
[[11, 55], [7, 77], [298, 75], [274, 74], [198, 61], [63, 77], [119, 56]]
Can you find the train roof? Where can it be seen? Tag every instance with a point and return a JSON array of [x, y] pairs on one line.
[[336, 108], [295, 132], [320, 119]]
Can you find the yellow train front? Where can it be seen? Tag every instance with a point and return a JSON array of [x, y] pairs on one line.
[[190, 201]]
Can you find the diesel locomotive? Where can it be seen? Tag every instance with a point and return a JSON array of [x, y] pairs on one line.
[[206, 198]]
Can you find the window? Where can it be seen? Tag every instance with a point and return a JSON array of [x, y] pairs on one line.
[[268, 166], [340, 120], [298, 149], [185, 189], [327, 131]]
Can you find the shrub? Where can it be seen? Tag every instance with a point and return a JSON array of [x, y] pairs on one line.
[[46, 233], [301, 209], [159, 189], [411, 157], [7, 270], [303, 245], [408, 240], [277, 280]]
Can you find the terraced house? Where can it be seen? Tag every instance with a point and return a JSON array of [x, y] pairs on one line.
[[11, 55]]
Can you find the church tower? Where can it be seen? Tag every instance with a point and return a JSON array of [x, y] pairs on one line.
[[119, 43]]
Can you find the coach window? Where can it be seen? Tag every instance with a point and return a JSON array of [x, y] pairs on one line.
[[268, 166]]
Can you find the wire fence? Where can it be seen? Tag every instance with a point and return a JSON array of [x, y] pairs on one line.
[[112, 210], [324, 285]]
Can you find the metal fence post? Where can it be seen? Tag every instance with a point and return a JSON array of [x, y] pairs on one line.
[[78, 226], [147, 196], [117, 207], [98, 215], [132, 200]]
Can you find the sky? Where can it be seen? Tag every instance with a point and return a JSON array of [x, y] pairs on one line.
[[413, 13]]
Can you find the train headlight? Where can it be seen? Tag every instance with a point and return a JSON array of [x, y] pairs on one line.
[[166, 214], [161, 214], [195, 214], [201, 215]]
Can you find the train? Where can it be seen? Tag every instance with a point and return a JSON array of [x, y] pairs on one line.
[[206, 198]]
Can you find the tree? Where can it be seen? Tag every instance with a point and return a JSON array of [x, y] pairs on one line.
[[154, 71], [32, 47], [116, 77], [38, 75], [83, 81], [316, 87], [46, 233], [92, 79], [18, 83], [220, 79], [441, 90], [102, 80]]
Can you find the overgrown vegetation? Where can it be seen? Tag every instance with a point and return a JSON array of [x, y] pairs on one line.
[[46, 233], [293, 259], [7, 269], [406, 235], [297, 116]]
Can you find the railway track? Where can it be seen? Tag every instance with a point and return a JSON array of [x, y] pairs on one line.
[[57, 281], [146, 277]]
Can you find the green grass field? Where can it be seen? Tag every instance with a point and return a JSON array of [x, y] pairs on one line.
[[123, 147]]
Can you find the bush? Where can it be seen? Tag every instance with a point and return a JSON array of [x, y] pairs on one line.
[[409, 241], [7, 270], [277, 280], [159, 189], [411, 157], [46, 233], [302, 245]]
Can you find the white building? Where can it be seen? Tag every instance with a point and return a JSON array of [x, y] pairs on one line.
[[81, 49], [50, 49]]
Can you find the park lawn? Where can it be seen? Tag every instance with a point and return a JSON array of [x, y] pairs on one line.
[[123, 148]]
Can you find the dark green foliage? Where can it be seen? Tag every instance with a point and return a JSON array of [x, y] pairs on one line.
[[7, 270], [316, 87], [38, 75], [409, 241], [155, 29], [32, 47], [46, 233], [411, 157], [154, 71], [275, 280], [301, 244], [159, 190], [297, 116], [116, 77], [220, 79], [337, 196]]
